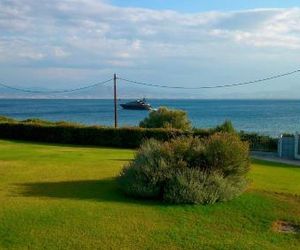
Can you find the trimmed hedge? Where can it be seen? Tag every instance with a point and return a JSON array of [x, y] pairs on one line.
[[259, 142], [131, 137], [100, 136]]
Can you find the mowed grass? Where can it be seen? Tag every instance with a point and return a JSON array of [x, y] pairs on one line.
[[64, 197]]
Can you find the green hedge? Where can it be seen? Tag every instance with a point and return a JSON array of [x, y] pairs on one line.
[[259, 142], [131, 137], [100, 136]]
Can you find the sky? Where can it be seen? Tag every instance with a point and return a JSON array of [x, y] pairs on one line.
[[211, 5], [63, 44]]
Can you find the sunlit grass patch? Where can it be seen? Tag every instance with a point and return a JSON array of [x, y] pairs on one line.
[[64, 197]]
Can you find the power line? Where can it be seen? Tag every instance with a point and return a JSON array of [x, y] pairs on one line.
[[213, 87], [152, 85], [56, 91]]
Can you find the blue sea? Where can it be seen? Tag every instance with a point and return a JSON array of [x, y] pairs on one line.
[[270, 117]]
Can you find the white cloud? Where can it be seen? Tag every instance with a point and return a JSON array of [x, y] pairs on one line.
[[94, 34], [60, 53]]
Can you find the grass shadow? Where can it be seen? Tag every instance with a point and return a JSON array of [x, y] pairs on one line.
[[97, 190]]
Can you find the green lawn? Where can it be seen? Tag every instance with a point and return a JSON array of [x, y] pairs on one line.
[[63, 197]]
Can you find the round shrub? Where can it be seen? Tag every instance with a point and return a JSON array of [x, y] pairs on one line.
[[188, 170], [167, 118], [144, 181], [225, 152]]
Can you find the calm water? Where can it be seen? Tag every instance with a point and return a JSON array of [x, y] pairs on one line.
[[265, 116]]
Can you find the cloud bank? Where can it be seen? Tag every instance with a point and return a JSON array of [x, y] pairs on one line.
[[63, 42]]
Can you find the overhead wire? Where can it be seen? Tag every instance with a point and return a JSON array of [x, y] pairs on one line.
[[167, 86], [55, 91], [214, 86]]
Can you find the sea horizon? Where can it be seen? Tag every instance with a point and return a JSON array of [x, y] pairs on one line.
[[153, 98]]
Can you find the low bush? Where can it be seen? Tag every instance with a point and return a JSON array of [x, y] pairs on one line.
[[4, 119], [226, 127], [167, 118], [188, 170], [193, 186], [38, 121], [227, 153]]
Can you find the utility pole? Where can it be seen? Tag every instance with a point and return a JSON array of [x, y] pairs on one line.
[[115, 100]]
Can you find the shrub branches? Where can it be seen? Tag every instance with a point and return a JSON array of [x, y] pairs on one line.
[[188, 170]]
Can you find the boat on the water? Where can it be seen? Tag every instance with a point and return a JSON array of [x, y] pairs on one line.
[[139, 104]]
